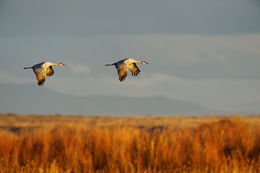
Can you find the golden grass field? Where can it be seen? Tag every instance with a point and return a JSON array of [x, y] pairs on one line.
[[58, 143]]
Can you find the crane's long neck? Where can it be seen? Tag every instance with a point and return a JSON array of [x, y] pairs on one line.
[[140, 62], [56, 64]]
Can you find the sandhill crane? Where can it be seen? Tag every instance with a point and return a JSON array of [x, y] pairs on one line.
[[123, 65], [43, 69]]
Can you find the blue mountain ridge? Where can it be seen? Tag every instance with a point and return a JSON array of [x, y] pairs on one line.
[[30, 99]]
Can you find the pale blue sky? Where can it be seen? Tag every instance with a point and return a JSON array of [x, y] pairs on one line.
[[206, 52]]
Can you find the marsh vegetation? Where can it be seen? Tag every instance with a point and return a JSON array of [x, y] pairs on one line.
[[59, 143]]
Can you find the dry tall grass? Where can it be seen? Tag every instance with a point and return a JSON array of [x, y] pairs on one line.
[[129, 144]]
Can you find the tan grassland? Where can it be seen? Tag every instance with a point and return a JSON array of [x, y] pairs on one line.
[[111, 144]]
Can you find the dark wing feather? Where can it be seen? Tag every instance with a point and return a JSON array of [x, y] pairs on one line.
[[50, 71], [134, 69], [41, 82], [40, 75], [122, 71]]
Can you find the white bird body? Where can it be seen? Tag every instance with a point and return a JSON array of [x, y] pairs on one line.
[[42, 70], [123, 65]]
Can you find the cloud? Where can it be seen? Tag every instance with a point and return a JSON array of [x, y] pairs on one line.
[[221, 94], [185, 56], [199, 56], [194, 49], [225, 95], [79, 68], [7, 77], [219, 72], [150, 16]]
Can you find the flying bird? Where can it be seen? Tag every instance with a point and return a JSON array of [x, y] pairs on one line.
[[123, 65], [42, 70]]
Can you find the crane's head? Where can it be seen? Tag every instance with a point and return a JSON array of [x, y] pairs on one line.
[[144, 62], [61, 64]]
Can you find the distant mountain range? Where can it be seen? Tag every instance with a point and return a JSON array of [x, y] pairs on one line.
[[27, 99]]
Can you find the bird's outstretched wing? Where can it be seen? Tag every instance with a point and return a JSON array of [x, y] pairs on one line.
[[122, 71], [40, 75], [50, 71], [134, 69]]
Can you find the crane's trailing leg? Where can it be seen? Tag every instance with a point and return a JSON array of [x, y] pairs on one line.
[[27, 68]]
